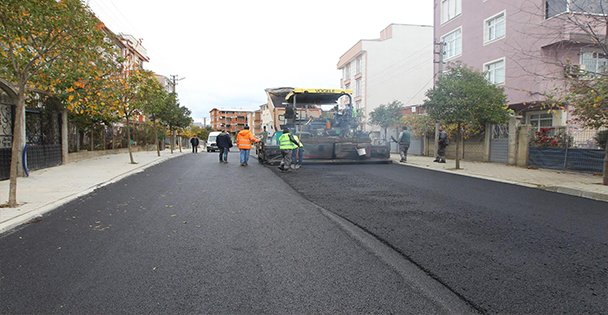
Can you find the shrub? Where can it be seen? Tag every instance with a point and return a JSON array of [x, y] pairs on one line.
[[601, 138]]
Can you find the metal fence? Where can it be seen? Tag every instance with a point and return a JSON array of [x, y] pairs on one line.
[[102, 137], [567, 148]]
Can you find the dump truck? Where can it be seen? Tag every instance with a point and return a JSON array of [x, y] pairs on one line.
[[326, 123]]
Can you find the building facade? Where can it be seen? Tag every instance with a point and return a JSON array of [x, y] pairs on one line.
[[398, 66], [230, 120], [527, 47]]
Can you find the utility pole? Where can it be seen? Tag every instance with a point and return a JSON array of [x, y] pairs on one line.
[[173, 82], [439, 52]]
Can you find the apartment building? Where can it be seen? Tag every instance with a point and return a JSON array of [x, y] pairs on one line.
[[133, 52], [231, 120], [398, 66], [526, 46]]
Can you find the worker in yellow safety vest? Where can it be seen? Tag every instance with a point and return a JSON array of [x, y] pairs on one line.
[[287, 144]]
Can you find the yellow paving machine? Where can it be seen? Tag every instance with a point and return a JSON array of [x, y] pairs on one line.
[[327, 124]]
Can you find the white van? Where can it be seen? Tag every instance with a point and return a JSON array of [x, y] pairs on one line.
[[211, 143]]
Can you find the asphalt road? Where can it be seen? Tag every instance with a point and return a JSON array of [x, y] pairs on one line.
[[191, 235], [503, 248]]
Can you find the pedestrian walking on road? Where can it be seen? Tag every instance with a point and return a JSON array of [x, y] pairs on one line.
[[297, 154], [194, 142], [224, 143], [442, 143], [404, 143], [287, 144], [244, 139]]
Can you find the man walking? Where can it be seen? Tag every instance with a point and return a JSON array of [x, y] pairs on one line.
[[224, 143], [404, 143], [442, 143], [286, 144], [243, 141], [194, 142]]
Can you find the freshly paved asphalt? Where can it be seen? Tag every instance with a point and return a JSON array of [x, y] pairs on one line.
[[191, 235], [503, 248]]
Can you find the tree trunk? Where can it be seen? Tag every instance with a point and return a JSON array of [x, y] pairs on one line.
[[156, 139], [92, 138], [104, 136], [458, 147], [113, 137], [17, 147], [129, 141], [605, 181], [172, 139]]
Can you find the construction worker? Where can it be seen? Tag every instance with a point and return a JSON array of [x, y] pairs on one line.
[[243, 141], [297, 154], [286, 144]]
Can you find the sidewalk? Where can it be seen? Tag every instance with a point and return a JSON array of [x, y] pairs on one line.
[[566, 182], [49, 188]]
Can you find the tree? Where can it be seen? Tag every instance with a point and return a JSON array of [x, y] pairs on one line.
[[590, 100], [135, 90], [386, 116], [420, 125], [153, 100], [37, 40], [175, 116], [465, 98]]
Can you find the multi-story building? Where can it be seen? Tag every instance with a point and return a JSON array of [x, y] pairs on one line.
[[133, 52], [396, 67], [231, 120], [165, 82], [528, 47]]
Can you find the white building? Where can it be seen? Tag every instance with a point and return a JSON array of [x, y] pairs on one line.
[[396, 67]]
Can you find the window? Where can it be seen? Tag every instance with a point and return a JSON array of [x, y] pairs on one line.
[[450, 9], [495, 71], [555, 7], [588, 6], [346, 72], [540, 120], [594, 62], [452, 44], [358, 87], [358, 65], [495, 27]]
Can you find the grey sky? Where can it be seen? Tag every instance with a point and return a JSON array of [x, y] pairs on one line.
[[230, 51]]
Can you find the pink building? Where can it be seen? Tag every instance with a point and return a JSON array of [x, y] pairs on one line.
[[527, 46]]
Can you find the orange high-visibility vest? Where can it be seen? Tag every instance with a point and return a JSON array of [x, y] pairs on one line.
[[244, 139]]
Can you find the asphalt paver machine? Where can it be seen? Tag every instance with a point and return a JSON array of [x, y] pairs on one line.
[[327, 125]]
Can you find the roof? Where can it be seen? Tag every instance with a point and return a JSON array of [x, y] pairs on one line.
[[304, 96]]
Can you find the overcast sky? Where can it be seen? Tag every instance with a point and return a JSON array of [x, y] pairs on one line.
[[228, 52]]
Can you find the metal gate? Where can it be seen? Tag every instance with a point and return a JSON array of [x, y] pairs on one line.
[[43, 127], [416, 146], [6, 134], [499, 144]]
